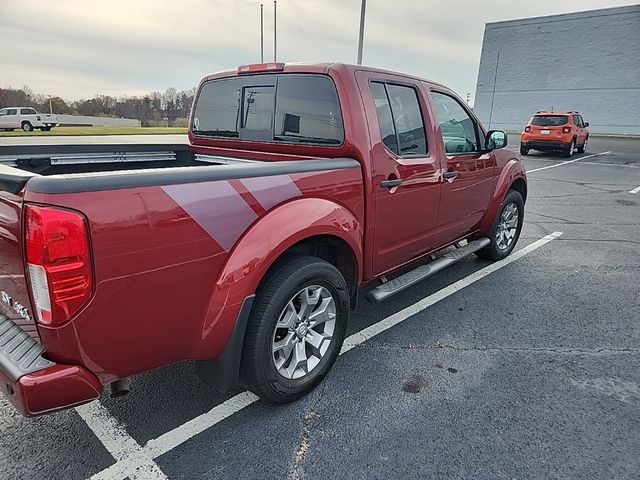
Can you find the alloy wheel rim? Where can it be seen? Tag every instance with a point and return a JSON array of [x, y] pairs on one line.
[[304, 332], [507, 226]]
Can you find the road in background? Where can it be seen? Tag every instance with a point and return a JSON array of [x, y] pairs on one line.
[[93, 139], [530, 372]]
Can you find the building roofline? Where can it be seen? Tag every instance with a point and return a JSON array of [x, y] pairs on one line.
[[601, 12]]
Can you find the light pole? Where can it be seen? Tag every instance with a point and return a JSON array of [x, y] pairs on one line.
[[361, 36], [275, 37], [261, 33]]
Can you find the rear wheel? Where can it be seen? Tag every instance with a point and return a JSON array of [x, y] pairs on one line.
[[570, 150], [27, 127], [506, 228], [524, 150], [296, 329], [583, 147]]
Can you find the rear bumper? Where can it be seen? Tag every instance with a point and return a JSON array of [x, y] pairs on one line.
[[546, 144], [35, 385]]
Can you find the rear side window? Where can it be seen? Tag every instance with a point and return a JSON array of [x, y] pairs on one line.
[[549, 120], [12, 111], [291, 108], [27, 111], [400, 119]]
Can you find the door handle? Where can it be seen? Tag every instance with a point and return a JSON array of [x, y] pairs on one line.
[[391, 183], [449, 174]]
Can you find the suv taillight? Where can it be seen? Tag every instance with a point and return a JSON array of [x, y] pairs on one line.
[[527, 129], [566, 129], [58, 262]]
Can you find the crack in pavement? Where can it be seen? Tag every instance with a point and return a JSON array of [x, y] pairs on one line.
[[474, 348], [304, 444]]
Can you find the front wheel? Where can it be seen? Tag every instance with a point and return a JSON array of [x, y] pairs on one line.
[[506, 228], [296, 329], [583, 148]]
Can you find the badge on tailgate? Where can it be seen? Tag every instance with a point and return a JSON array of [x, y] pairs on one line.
[[16, 306]]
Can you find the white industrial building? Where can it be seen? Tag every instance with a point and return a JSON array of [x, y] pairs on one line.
[[586, 61]]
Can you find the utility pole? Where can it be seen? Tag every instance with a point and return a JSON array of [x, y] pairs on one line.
[[275, 36], [261, 33], [361, 35], [50, 107]]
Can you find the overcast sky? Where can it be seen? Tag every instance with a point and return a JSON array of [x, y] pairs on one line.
[[78, 48]]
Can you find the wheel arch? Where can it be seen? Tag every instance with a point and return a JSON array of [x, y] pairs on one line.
[[307, 226], [520, 186]]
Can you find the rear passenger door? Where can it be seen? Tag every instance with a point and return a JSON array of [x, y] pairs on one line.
[[405, 188], [580, 133], [10, 119], [468, 170]]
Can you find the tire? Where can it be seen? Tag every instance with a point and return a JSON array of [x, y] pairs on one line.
[[8, 129], [583, 148], [46, 129], [524, 150], [568, 152], [501, 247], [27, 127], [281, 297]]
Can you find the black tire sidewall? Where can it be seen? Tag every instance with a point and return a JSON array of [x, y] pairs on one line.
[[268, 307], [492, 251]]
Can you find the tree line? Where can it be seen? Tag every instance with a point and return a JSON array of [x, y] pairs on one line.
[[168, 108]]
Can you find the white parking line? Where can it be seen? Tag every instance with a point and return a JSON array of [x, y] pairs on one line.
[[568, 161], [124, 449], [635, 190], [137, 462]]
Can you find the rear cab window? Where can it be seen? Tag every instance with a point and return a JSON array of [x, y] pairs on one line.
[[288, 108], [549, 120], [400, 119]]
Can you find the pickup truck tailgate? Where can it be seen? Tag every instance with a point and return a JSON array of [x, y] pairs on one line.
[[14, 295]]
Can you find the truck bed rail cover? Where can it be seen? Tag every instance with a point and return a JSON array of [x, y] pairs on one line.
[[88, 182]]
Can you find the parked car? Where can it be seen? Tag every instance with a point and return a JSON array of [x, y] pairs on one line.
[[561, 131], [26, 118], [244, 250]]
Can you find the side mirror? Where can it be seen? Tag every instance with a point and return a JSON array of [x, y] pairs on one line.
[[586, 124], [495, 139]]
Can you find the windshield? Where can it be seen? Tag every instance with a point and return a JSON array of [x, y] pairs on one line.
[[276, 108], [549, 120]]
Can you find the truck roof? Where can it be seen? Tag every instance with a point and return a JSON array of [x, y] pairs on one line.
[[323, 67]]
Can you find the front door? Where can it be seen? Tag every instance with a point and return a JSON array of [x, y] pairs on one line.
[[468, 174], [405, 172]]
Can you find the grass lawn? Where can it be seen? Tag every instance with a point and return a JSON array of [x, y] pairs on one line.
[[97, 131]]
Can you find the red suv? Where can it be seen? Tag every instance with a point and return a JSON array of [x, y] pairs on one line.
[[561, 131]]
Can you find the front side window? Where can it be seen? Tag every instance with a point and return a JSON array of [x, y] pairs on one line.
[[459, 131], [282, 108], [400, 119], [3, 112], [549, 120]]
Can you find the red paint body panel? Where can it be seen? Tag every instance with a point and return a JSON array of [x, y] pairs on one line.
[[174, 262]]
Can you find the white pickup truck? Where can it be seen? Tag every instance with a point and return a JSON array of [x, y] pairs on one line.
[[26, 118]]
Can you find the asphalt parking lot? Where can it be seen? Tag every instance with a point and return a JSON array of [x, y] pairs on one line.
[[528, 368]]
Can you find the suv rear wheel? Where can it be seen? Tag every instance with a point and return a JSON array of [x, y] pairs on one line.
[[296, 329], [570, 150], [524, 150]]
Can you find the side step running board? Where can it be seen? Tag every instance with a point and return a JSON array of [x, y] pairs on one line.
[[406, 280]]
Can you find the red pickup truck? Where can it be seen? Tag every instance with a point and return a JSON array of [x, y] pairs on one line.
[[245, 249]]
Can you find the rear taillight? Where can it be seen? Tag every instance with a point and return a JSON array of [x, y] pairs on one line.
[[58, 263], [527, 129], [566, 129]]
